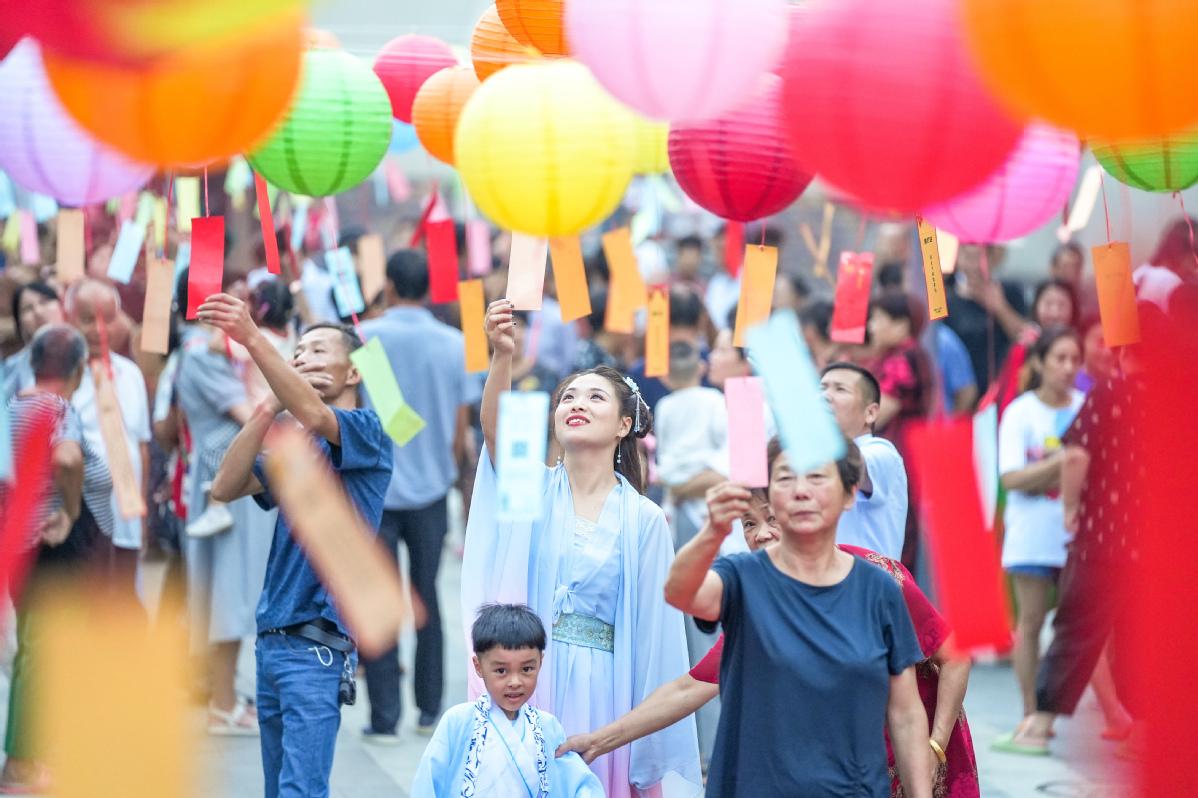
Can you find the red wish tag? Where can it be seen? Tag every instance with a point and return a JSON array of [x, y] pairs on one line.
[[20, 508], [270, 241], [207, 267], [440, 240], [850, 310], [734, 247]]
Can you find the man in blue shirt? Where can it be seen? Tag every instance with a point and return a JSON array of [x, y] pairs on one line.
[[429, 361], [305, 657]]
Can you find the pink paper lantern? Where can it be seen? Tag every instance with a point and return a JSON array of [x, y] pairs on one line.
[[884, 102], [44, 150], [405, 63], [740, 166], [1027, 191], [677, 59]]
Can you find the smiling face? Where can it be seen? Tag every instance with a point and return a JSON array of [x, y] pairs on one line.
[[809, 503], [1059, 370], [1054, 308], [323, 349], [510, 676], [588, 414]]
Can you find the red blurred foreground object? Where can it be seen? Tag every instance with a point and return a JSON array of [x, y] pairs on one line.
[[21, 501], [964, 553]]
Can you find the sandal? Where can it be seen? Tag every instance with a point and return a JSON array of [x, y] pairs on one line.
[[1007, 745], [241, 722]]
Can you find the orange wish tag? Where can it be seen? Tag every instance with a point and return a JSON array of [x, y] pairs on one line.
[[850, 309], [350, 562], [156, 313], [470, 295], [626, 292], [657, 334], [570, 277], [129, 500], [756, 289], [932, 276], [70, 246], [373, 266], [1116, 294], [526, 271]]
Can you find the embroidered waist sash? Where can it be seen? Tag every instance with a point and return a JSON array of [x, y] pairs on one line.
[[583, 630]]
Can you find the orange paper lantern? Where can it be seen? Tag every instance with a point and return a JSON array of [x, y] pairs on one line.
[[200, 104], [492, 47], [437, 107], [537, 23]]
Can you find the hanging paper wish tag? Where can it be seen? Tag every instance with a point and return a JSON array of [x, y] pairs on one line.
[[850, 309], [626, 293], [985, 459], [70, 246], [526, 271], [187, 202], [969, 582], [11, 241], [780, 356], [299, 224], [29, 479], [397, 181], [470, 294], [207, 261], [347, 293], [657, 333], [31, 252], [129, 498], [126, 252], [156, 313], [343, 550], [734, 247], [373, 264], [932, 276], [145, 209], [1116, 294], [158, 223], [756, 289], [440, 240], [520, 460], [478, 247], [570, 277], [270, 241], [746, 431], [399, 419]]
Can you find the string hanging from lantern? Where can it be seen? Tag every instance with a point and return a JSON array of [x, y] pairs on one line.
[[1106, 211], [206, 211]]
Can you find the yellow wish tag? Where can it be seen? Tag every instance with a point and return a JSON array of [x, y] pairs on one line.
[[929, 246]]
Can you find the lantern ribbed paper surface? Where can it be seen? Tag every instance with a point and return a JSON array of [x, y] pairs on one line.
[[677, 59], [492, 46], [437, 108], [884, 103], [1168, 163], [192, 107], [1026, 192], [1116, 68], [652, 147], [405, 63], [544, 150], [537, 23], [740, 166], [336, 132], [44, 150]]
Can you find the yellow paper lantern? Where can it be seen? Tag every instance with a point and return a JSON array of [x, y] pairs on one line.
[[652, 155], [543, 150]]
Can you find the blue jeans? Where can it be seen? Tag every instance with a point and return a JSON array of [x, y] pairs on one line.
[[298, 713]]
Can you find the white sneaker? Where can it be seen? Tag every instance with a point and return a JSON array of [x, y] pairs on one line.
[[214, 520]]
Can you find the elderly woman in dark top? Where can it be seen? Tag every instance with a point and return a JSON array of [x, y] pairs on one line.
[[819, 649]]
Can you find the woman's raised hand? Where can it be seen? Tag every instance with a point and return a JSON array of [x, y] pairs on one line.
[[726, 503], [501, 329]]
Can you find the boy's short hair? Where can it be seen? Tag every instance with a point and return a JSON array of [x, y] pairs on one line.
[[684, 361], [349, 338], [510, 626]]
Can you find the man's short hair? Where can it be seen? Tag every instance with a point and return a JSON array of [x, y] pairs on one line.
[[684, 360], [57, 352], [686, 308], [510, 626], [349, 338], [818, 314], [407, 271], [79, 286], [872, 390], [690, 242]]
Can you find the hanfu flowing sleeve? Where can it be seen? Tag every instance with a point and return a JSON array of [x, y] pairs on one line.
[[437, 775]]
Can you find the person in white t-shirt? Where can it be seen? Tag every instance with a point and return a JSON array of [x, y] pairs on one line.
[[91, 304], [878, 519], [1029, 462]]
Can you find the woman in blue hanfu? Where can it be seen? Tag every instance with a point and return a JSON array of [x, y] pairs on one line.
[[593, 567]]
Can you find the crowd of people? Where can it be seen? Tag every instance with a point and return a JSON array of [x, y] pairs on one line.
[[599, 666]]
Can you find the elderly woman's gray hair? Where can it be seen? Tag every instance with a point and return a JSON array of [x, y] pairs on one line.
[[57, 352]]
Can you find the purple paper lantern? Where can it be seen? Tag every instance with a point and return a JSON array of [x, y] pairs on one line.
[[43, 149], [1026, 191]]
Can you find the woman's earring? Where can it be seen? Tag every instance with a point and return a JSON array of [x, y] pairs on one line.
[[617, 456]]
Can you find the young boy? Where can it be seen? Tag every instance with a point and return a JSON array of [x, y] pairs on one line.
[[306, 659], [499, 745]]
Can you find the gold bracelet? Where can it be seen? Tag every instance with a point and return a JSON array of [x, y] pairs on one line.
[[938, 750]]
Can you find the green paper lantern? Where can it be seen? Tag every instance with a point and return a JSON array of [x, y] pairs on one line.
[[1166, 164], [336, 131]]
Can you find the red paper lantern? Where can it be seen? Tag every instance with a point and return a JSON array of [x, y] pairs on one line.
[[405, 63], [883, 102], [740, 166]]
